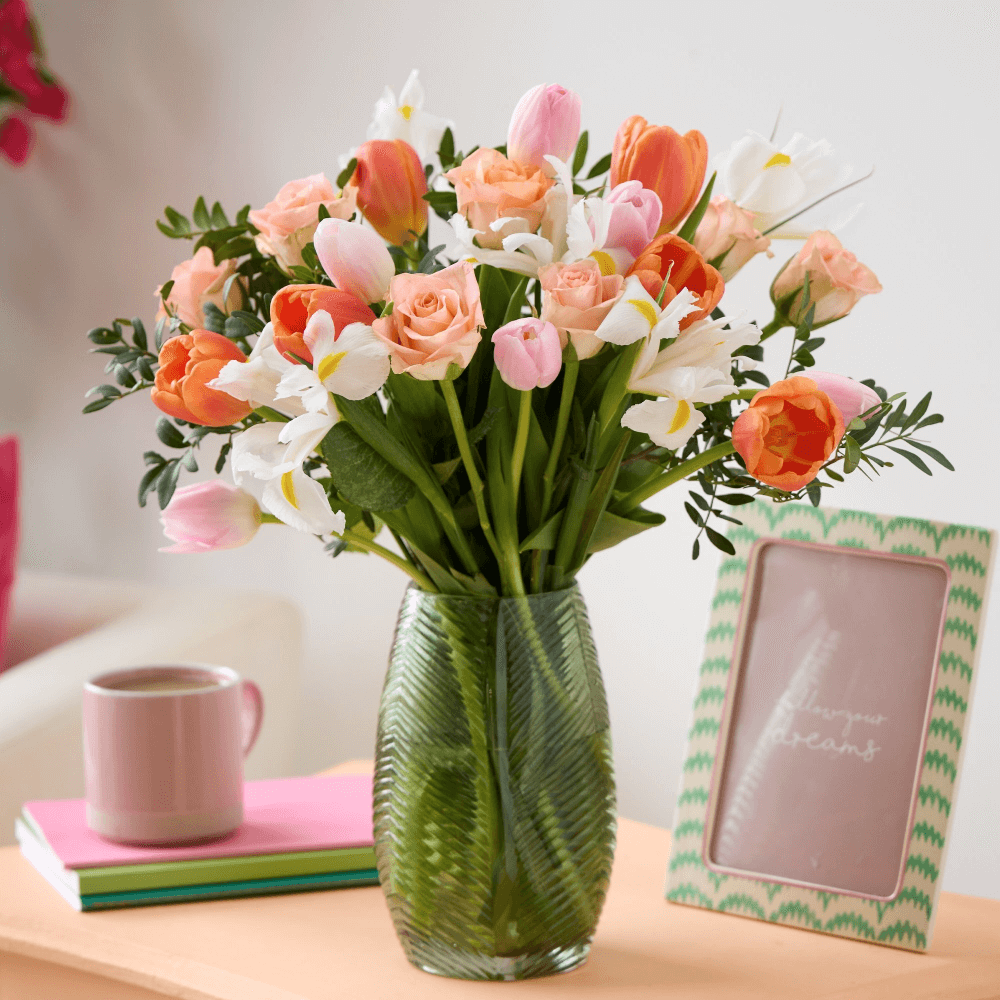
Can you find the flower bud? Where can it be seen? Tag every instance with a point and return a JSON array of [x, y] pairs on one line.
[[546, 122], [671, 164], [528, 353], [837, 279], [355, 258], [728, 231], [208, 516], [852, 398], [391, 185]]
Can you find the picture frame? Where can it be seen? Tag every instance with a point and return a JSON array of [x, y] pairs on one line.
[[829, 721]]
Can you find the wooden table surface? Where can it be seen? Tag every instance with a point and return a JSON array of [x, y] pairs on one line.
[[340, 944]]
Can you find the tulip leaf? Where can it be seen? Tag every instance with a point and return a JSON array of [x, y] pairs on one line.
[[362, 475], [687, 231], [612, 529], [446, 149]]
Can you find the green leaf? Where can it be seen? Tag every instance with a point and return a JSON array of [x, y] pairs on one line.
[[693, 514], [347, 173], [106, 391], [852, 454], [220, 462], [734, 499], [602, 166], [125, 377], [695, 549], [446, 149], [190, 462], [698, 499], [362, 475], [612, 529], [145, 369], [494, 296], [580, 156], [477, 433], [169, 434], [201, 217], [322, 212], [98, 404], [687, 231], [178, 221], [445, 470], [720, 541], [215, 318], [219, 220], [814, 492], [914, 459], [444, 203], [168, 482], [147, 482], [918, 411]]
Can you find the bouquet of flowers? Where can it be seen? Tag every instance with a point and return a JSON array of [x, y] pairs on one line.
[[504, 408]]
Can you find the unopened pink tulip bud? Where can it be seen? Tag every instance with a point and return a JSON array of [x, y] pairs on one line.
[[635, 217], [355, 257], [852, 398], [210, 516], [528, 353], [546, 122]]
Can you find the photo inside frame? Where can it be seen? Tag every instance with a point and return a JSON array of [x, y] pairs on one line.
[[827, 717]]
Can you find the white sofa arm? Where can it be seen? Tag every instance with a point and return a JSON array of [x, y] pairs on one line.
[[258, 635]]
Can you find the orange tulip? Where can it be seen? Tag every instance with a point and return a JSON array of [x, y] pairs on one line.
[[293, 306], [187, 364], [391, 185], [674, 261], [671, 164], [788, 432]]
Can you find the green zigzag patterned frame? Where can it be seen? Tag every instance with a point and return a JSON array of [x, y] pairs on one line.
[[907, 920]]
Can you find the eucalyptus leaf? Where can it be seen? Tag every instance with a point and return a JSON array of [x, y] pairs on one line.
[[602, 166]]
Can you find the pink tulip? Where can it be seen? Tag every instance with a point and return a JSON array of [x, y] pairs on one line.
[[545, 122], [355, 257], [210, 516], [850, 397], [528, 353], [635, 217]]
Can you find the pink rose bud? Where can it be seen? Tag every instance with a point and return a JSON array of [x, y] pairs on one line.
[[635, 217], [209, 516], [546, 122], [837, 279], [355, 257], [528, 353], [850, 397], [728, 231]]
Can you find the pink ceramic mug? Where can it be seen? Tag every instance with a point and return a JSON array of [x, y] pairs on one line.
[[163, 752]]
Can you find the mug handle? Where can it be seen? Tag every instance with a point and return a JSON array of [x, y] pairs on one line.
[[252, 714]]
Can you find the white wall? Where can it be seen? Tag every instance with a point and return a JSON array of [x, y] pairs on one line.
[[230, 99]]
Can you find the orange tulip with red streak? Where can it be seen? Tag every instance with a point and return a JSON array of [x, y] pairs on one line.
[[788, 432], [671, 259], [187, 364], [293, 306], [391, 185], [671, 164]]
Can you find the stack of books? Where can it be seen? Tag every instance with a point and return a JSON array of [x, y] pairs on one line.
[[298, 834]]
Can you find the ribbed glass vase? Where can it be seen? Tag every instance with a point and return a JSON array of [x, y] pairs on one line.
[[494, 793]]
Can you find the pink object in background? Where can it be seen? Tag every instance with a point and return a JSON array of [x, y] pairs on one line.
[[320, 813], [8, 531], [163, 752]]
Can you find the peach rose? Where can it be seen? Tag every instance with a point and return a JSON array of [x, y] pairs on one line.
[[575, 299], [788, 432], [434, 323], [837, 279], [728, 231], [200, 280], [287, 224], [490, 187], [187, 364]]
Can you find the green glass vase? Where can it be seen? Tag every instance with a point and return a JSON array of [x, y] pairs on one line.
[[494, 793]]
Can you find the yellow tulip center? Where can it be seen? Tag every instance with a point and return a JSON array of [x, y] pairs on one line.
[[779, 160], [681, 416], [604, 262], [288, 489], [647, 312], [406, 110], [329, 365]]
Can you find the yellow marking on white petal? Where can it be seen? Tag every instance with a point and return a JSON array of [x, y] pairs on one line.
[[288, 489], [778, 160], [329, 365], [681, 416], [406, 110], [645, 309], [604, 262]]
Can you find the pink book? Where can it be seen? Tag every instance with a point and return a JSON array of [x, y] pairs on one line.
[[281, 815]]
